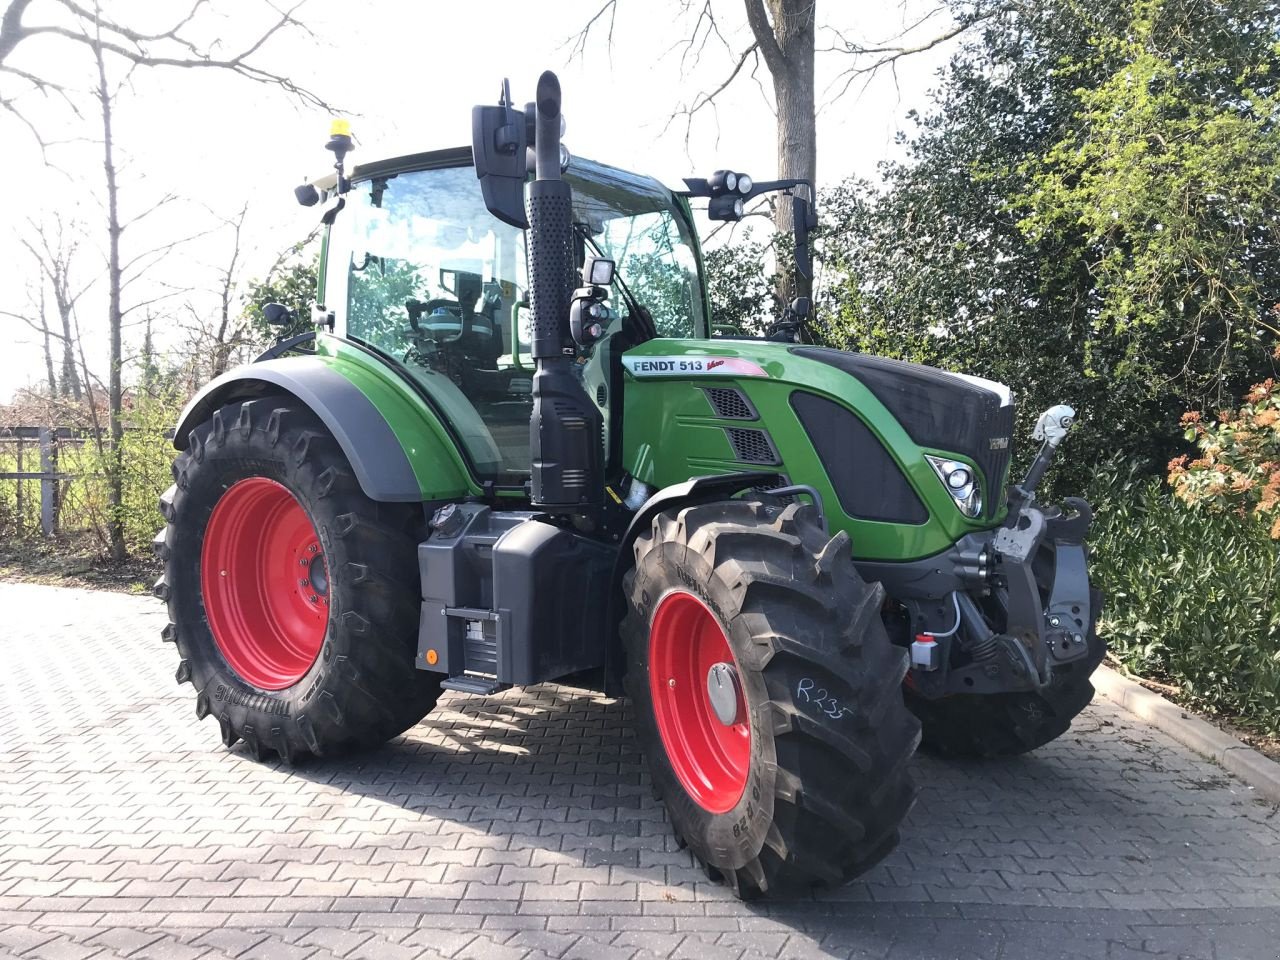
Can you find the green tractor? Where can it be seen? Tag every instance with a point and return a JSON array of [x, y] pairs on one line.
[[512, 452]]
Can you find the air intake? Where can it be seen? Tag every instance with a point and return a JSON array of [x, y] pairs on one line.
[[752, 446], [730, 403]]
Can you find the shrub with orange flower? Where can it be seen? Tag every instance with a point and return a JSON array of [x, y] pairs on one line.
[[1239, 465]]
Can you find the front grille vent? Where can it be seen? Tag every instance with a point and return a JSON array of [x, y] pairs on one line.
[[994, 462], [752, 446], [868, 481], [731, 404]]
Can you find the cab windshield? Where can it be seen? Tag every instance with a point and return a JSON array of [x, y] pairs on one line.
[[419, 269]]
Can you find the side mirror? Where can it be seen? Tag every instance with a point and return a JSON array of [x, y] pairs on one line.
[[499, 138], [277, 314]]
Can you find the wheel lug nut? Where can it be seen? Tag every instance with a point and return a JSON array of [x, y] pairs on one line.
[[302, 583], [313, 598]]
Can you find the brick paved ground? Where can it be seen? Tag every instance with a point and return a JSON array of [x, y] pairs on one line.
[[521, 826]]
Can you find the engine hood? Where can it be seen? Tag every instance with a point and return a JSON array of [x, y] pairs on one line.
[[950, 412]]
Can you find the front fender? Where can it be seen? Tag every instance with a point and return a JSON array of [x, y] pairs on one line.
[[393, 446], [693, 491]]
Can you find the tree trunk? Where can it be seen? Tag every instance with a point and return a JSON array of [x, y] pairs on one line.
[[70, 377], [48, 349], [793, 92], [797, 157], [786, 40], [115, 469]]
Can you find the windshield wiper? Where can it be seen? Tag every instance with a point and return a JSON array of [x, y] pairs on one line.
[[642, 317]]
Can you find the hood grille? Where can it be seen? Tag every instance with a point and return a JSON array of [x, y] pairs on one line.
[[729, 403], [752, 446]]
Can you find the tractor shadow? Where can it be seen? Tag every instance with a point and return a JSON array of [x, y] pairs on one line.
[[557, 770]]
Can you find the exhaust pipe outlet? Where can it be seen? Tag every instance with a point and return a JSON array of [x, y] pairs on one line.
[[566, 439]]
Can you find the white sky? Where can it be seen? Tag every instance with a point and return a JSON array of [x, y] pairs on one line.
[[407, 72]]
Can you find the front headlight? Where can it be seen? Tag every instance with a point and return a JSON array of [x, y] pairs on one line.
[[960, 482]]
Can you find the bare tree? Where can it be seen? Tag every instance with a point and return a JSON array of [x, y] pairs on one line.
[[48, 348], [230, 330], [52, 253], [54, 245], [179, 44], [36, 317], [115, 313], [111, 43]]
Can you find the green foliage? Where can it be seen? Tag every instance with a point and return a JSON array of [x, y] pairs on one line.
[[146, 458], [1040, 233], [146, 455], [18, 515], [662, 286], [741, 286], [1191, 595], [1165, 182], [291, 282], [376, 300]]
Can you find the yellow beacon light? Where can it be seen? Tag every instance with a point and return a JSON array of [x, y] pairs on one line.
[[340, 145]]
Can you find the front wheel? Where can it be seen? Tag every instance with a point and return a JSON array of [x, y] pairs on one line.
[[767, 695], [292, 597]]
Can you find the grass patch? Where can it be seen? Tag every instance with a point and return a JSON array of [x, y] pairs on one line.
[[74, 561]]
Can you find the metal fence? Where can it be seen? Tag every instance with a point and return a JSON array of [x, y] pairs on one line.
[[34, 454]]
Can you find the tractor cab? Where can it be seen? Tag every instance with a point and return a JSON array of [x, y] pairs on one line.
[[418, 269]]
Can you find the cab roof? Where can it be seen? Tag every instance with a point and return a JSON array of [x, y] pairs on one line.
[[601, 173]]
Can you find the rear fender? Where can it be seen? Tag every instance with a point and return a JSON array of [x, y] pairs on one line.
[[394, 446]]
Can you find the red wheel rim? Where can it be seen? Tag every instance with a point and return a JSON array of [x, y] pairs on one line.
[[711, 759], [265, 583]]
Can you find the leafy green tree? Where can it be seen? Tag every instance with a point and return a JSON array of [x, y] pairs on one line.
[[1165, 181], [1034, 233], [376, 305], [741, 285], [292, 282], [663, 288]]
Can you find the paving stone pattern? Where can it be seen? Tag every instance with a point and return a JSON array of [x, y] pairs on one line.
[[521, 827]]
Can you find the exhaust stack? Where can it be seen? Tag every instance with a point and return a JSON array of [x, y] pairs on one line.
[[565, 428]]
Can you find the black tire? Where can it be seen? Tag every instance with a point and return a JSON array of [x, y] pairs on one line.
[[362, 688], [823, 797], [1009, 724]]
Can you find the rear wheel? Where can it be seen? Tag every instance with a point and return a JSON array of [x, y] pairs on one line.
[[767, 695], [292, 597], [1008, 724]]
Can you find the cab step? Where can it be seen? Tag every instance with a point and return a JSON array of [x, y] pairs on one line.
[[481, 686]]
